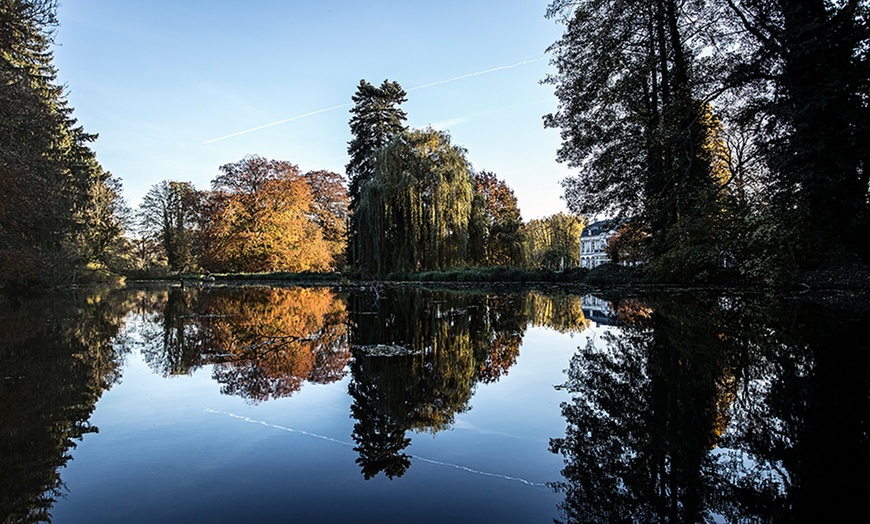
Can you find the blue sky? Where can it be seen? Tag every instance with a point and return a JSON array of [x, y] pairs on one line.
[[177, 88]]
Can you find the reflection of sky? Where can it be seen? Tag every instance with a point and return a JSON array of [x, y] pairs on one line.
[[175, 449]]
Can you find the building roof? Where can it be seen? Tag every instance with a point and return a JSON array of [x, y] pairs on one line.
[[597, 228]]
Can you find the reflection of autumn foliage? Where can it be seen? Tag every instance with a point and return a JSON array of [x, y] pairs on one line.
[[264, 342], [632, 311], [267, 342], [501, 356]]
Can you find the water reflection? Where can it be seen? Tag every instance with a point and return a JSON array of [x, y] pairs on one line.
[[684, 408], [262, 342], [56, 359], [417, 358], [719, 407]]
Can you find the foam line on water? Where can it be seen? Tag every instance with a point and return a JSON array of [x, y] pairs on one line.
[[345, 443]]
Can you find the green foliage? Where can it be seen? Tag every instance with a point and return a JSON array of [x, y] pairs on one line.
[[376, 120], [60, 210], [553, 242], [415, 213]]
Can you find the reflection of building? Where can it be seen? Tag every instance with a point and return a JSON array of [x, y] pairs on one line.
[[593, 242], [599, 310]]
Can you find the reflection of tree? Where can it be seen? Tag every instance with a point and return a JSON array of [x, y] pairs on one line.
[[450, 341], [272, 340], [564, 313], [642, 418], [56, 357], [798, 447], [723, 406], [263, 342], [172, 344]]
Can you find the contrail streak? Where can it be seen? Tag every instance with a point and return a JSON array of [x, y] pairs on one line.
[[333, 108], [345, 443], [300, 117], [478, 73]]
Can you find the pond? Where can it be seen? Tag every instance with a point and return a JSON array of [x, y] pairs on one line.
[[398, 404]]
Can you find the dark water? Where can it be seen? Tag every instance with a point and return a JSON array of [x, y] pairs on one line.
[[404, 405]]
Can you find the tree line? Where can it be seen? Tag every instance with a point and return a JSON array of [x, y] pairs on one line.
[[412, 202], [718, 129], [62, 215]]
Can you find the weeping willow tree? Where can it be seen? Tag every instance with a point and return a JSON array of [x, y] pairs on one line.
[[414, 214]]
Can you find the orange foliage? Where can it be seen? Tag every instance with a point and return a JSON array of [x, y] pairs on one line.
[[268, 342], [259, 218]]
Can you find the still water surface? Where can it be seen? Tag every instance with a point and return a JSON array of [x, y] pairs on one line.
[[404, 405]]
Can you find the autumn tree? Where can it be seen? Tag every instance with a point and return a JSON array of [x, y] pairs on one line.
[[329, 209], [414, 214], [554, 241], [376, 119], [502, 238], [258, 218], [168, 216]]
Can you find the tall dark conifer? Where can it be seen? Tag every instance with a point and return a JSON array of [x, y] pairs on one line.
[[376, 119], [53, 185]]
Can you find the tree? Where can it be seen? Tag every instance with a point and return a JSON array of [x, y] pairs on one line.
[[329, 207], [502, 240], [376, 119], [47, 170], [106, 219], [168, 216], [414, 214], [630, 84], [554, 241], [801, 69], [258, 218]]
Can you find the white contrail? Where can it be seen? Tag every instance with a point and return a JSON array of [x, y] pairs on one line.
[[333, 108], [264, 126], [345, 443], [478, 73]]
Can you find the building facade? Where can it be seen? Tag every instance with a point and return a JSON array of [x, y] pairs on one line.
[[593, 243]]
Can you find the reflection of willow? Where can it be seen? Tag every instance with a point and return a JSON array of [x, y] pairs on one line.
[[264, 342], [57, 358], [645, 411], [450, 341], [731, 407], [564, 313]]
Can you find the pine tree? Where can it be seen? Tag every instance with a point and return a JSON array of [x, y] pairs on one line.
[[376, 119]]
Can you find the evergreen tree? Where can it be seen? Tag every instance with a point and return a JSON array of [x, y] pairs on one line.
[[52, 216], [376, 119]]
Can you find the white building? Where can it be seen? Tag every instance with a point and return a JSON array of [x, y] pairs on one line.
[[593, 242]]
